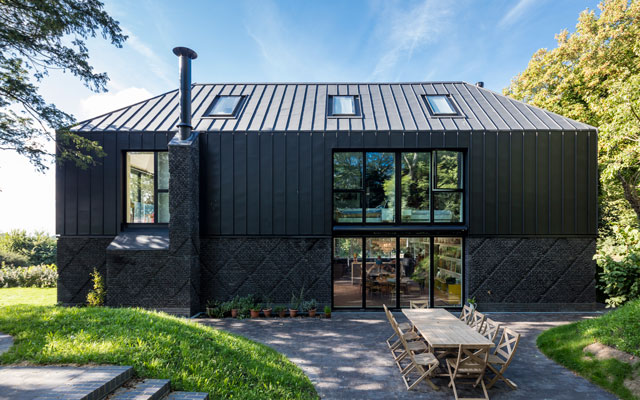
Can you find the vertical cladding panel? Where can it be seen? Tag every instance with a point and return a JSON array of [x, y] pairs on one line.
[[592, 188], [110, 184], [491, 182], [266, 183], [84, 201], [253, 183], [205, 185], [239, 183], [529, 183], [292, 183], [122, 145], [330, 142], [556, 176], [396, 139], [476, 168], [516, 182], [437, 139], [226, 183], [542, 224], [97, 195], [582, 183], [71, 199], [148, 141], [214, 190], [60, 197], [451, 139], [305, 179], [356, 139], [504, 184], [569, 180], [318, 187], [279, 183]]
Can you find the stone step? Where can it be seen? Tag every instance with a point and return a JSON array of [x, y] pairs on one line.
[[146, 389], [187, 396]]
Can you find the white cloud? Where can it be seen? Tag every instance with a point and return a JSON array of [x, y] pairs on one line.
[[102, 103], [515, 13], [154, 63]]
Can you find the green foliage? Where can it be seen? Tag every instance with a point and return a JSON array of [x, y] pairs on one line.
[[619, 328], [41, 276], [309, 305], [327, 310], [193, 356], [297, 300], [36, 36], [29, 296], [278, 309], [96, 297], [17, 247], [619, 260]]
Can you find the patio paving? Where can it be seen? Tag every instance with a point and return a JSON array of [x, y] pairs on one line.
[[346, 357]]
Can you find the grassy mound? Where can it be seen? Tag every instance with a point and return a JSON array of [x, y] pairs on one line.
[[619, 328], [194, 357], [32, 296]]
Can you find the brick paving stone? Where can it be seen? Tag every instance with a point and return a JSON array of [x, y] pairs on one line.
[[187, 396], [6, 342], [148, 389]]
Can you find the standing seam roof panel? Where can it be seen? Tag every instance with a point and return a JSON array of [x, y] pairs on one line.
[[262, 108], [275, 108], [368, 120], [405, 113], [378, 108], [296, 110], [319, 122], [246, 117], [418, 116], [286, 108]]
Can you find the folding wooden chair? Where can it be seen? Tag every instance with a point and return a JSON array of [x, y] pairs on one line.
[[477, 321], [502, 357], [423, 363], [419, 303], [491, 329], [416, 345], [465, 315], [471, 363], [405, 326]]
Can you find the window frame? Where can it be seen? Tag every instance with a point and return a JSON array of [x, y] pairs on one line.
[[236, 111], [356, 105], [155, 223], [452, 103]]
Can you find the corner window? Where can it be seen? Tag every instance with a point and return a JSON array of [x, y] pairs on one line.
[[447, 192], [147, 187], [225, 106], [441, 105], [343, 106]]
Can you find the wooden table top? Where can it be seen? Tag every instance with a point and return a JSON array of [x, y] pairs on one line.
[[441, 329]]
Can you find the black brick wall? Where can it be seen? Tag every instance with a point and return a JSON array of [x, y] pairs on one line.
[[530, 270], [273, 267]]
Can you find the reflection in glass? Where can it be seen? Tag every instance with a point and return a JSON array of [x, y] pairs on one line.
[[381, 272], [347, 272], [163, 207], [140, 187], [347, 170], [447, 259], [448, 170], [441, 105], [344, 105], [347, 207], [447, 207], [380, 187], [415, 187], [225, 105], [414, 272], [163, 170]]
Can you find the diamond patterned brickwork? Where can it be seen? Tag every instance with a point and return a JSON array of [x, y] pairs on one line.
[[531, 270], [270, 267], [77, 257]]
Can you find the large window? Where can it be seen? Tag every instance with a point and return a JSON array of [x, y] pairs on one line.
[[430, 187], [147, 187]]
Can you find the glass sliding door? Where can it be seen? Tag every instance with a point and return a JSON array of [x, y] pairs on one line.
[[380, 273], [347, 272], [415, 270], [447, 259]]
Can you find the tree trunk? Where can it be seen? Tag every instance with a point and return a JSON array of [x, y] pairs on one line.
[[631, 192]]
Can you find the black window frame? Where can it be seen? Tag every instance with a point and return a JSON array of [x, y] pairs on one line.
[[451, 102], [236, 110], [356, 104], [155, 223]]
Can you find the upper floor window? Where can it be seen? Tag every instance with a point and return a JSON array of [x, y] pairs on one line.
[[343, 105], [147, 187], [440, 105], [225, 106]]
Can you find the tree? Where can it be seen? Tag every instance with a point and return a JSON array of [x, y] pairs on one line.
[[37, 36], [594, 76]]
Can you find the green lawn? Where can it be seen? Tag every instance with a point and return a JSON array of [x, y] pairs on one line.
[[619, 328], [32, 296], [194, 357]]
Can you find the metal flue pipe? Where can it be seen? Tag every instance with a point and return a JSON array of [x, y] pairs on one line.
[[185, 56]]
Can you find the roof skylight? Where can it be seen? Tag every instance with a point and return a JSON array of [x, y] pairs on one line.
[[225, 106], [343, 105], [441, 105]]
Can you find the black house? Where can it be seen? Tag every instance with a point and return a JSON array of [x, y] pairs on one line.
[[362, 193]]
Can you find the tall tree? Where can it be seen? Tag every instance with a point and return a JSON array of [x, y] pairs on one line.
[[594, 76], [37, 36]]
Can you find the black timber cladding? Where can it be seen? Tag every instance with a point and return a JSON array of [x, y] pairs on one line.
[[530, 172]]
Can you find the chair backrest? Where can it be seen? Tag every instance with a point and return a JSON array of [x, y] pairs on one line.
[[392, 320], [465, 315], [491, 329], [419, 303], [473, 359], [477, 321], [508, 344]]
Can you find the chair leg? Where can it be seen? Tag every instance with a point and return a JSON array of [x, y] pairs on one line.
[[425, 377], [499, 375], [391, 337]]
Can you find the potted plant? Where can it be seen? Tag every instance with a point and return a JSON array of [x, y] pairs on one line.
[[267, 308], [296, 302], [280, 310], [472, 303], [212, 308], [234, 305], [310, 307], [255, 310], [327, 311]]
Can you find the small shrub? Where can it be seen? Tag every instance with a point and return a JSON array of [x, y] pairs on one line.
[[309, 305], [37, 248], [619, 258], [96, 297], [12, 258], [42, 276], [296, 301]]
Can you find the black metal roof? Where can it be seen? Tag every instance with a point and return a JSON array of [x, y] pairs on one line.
[[302, 107]]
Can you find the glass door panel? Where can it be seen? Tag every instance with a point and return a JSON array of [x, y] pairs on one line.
[[380, 278], [347, 272], [415, 269], [447, 259]]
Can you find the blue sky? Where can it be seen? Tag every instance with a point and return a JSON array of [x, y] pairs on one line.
[[284, 41]]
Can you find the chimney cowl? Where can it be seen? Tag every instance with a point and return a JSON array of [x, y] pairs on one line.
[[480, 84], [185, 56]]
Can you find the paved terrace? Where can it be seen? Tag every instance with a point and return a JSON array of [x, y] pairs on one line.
[[346, 357]]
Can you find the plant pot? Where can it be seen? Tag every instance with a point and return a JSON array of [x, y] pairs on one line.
[[328, 315], [234, 313], [267, 312], [255, 313], [208, 311], [282, 313], [312, 313], [293, 313]]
